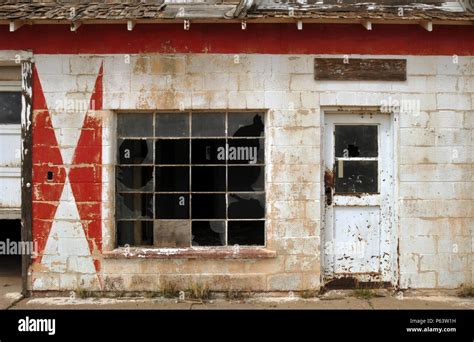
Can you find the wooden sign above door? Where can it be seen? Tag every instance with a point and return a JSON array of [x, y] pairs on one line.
[[360, 69]]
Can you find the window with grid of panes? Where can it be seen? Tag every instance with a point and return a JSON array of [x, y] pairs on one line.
[[190, 179]]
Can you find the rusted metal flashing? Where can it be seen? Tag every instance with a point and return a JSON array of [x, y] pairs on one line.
[[26, 165]]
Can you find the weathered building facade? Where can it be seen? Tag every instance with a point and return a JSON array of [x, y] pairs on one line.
[[247, 146]]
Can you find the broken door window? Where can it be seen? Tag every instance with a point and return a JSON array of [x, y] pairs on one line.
[[356, 141], [190, 178], [356, 177], [356, 159]]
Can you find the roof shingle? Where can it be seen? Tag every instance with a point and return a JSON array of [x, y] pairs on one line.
[[227, 9]]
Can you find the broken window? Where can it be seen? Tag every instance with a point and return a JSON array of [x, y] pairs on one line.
[[208, 178], [10, 95], [208, 124], [135, 151], [172, 125], [183, 181], [356, 176], [356, 141], [135, 233], [356, 159], [172, 206], [208, 233], [172, 179], [10, 107], [135, 125], [135, 178], [134, 206], [172, 151]]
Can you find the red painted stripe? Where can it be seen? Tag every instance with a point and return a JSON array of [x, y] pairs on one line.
[[46, 157], [229, 38], [86, 173]]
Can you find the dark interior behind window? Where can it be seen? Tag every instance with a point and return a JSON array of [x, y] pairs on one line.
[[10, 107], [183, 181]]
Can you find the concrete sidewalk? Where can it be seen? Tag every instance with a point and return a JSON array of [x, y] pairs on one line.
[[338, 300]]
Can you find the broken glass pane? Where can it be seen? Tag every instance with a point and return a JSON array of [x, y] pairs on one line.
[[356, 176], [172, 233], [135, 125], [208, 206], [134, 178], [138, 151], [356, 141], [246, 233], [172, 179], [208, 124], [172, 125], [208, 151], [208, 233], [245, 125], [10, 107], [246, 178], [171, 206], [246, 206], [172, 151], [134, 233], [208, 178], [134, 206], [245, 151]]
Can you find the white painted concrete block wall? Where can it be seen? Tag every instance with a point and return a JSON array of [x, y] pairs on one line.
[[435, 157]]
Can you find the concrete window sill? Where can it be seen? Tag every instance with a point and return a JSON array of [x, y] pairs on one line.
[[190, 253]]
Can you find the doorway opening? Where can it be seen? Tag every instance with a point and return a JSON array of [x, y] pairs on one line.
[[359, 230], [10, 255]]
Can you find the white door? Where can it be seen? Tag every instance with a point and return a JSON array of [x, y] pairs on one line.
[[359, 234], [10, 142]]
